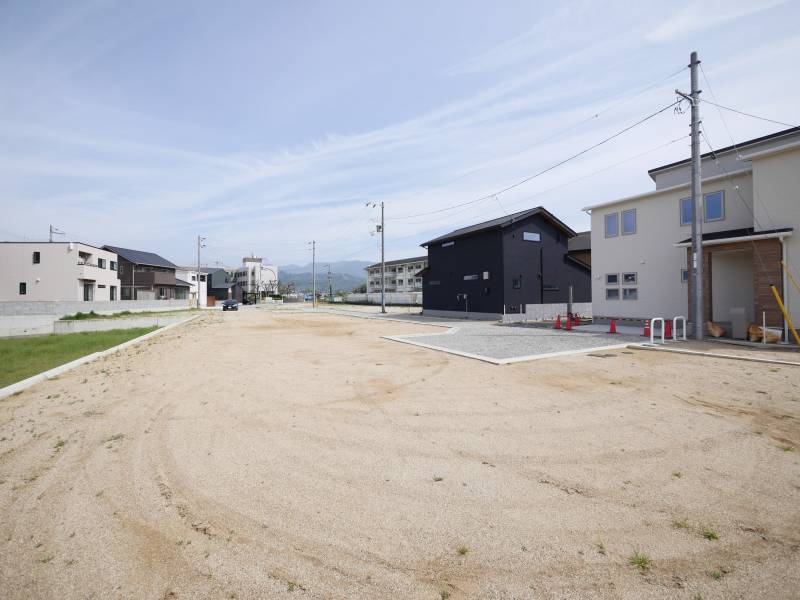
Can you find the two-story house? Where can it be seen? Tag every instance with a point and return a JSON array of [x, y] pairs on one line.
[[500, 266], [57, 271], [641, 246], [148, 276]]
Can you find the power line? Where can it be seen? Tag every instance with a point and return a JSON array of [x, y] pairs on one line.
[[546, 170], [747, 114]]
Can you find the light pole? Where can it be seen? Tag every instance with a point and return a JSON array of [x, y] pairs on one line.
[[200, 244]]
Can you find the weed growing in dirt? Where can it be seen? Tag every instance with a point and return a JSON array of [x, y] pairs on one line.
[[681, 524], [787, 448], [59, 445], [641, 560], [444, 594], [716, 575], [291, 586], [709, 533], [114, 438], [601, 547], [462, 550], [437, 478], [677, 474]]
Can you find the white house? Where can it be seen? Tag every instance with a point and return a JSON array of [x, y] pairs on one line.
[[641, 247], [57, 271], [190, 276]]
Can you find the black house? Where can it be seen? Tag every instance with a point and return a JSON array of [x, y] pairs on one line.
[[501, 265]]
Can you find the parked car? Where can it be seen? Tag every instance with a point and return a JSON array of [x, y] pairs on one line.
[[230, 305], [308, 297]]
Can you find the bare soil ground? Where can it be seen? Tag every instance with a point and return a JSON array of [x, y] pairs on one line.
[[263, 455]]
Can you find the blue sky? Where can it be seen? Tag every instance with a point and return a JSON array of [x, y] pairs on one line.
[[263, 125]]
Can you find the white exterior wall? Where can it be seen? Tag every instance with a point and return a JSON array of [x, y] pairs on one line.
[[777, 204], [58, 275], [254, 276], [190, 277], [402, 271], [650, 252]]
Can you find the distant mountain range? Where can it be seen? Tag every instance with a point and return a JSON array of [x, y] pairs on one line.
[[353, 268], [340, 281]]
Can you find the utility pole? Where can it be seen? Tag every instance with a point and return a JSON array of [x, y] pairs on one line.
[[200, 244], [383, 265], [697, 205], [330, 285], [54, 231], [313, 274]]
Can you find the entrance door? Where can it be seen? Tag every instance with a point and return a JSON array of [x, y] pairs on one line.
[[88, 292]]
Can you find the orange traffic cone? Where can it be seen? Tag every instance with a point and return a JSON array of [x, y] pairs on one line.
[[668, 329], [646, 328], [558, 323], [569, 324], [613, 327]]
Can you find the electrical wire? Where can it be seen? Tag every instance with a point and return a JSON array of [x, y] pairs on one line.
[[747, 114], [545, 170]]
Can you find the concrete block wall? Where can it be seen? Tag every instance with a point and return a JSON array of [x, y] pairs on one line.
[[121, 323], [413, 298], [64, 307]]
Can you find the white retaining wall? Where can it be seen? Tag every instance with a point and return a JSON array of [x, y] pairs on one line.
[[64, 307], [414, 298], [121, 323]]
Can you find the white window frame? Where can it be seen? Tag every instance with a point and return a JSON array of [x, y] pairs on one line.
[[605, 224], [622, 221], [612, 290]]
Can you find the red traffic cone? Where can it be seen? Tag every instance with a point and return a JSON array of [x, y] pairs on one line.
[[613, 327], [646, 328], [569, 324], [577, 320], [668, 329], [558, 323]]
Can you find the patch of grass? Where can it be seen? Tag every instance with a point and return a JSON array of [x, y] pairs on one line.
[[681, 524], [437, 478], [677, 474], [715, 575], [462, 550], [787, 448], [80, 316], [21, 358], [709, 533], [59, 445], [291, 586], [444, 594], [641, 560]]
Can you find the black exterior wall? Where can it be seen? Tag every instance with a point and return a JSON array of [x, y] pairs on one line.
[[504, 269]]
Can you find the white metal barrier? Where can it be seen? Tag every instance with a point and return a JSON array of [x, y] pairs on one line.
[[653, 329], [675, 327]]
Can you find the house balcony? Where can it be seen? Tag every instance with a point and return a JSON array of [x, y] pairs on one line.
[[88, 271]]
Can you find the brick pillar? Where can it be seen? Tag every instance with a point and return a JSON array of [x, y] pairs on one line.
[[767, 271]]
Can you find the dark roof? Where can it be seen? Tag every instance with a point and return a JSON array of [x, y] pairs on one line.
[[582, 241], [142, 258], [399, 261], [578, 261], [735, 233], [502, 222], [182, 283], [744, 144]]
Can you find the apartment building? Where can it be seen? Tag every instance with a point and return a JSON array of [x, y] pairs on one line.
[[57, 271], [148, 276], [196, 282], [641, 246], [402, 275], [255, 280]]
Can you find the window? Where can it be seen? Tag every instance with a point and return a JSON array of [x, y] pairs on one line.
[[714, 206], [112, 264], [630, 294], [629, 279], [527, 236], [101, 263], [194, 277], [684, 275], [629, 221], [686, 211], [612, 279], [516, 283], [612, 225], [112, 292], [23, 288], [121, 269], [612, 294], [37, 257], [101, 286], [486, 274]]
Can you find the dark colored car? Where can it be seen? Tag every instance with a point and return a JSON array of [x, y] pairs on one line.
[[230, 305]]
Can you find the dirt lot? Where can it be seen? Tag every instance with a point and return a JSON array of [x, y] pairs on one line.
[[261, 454]]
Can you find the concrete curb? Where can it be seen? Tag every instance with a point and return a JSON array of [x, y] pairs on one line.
[[38, 378], [770, 361]]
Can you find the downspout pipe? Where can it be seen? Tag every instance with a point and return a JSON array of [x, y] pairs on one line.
[[785, 286]]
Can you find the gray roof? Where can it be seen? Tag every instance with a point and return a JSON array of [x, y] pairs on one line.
[[399, 261], [582, 241], [182, 283], [501, 222], [141, 258]]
